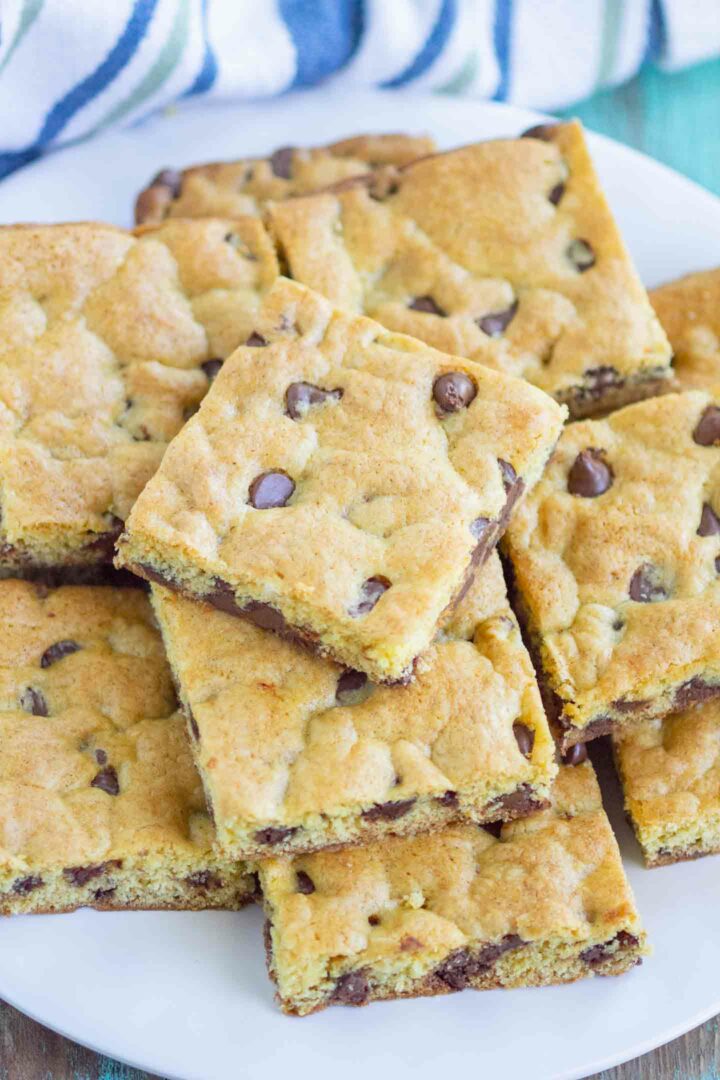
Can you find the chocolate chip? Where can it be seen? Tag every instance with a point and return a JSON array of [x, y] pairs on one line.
[[463, 964], [274, 834], [348, 685], [388, 811], [618, 625], [169, 178], [211, 367], [101, 757], [454, 391], [694, 692], [555, 194], [370, 592], [518, 803], [589, 474], [281, 162], [80, 875], [493, 827], [524, 737], [581, 255], [645, 587], [427, 305], [449, 798], [495, 324], [709, 522], [509, 476], [270, 490], [32, 701], [601, 379], [575, 755], [374, 920], [265, 616], [104, 894], [192, 722], [204, 879], [256, 341], [707, 431], [24, 885], [597, 953], [299, 397], [540, 131], [107, 781], [351, 989], [304, 883], [57, 652]]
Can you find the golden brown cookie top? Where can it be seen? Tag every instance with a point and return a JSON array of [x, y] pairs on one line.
[[689, 310]]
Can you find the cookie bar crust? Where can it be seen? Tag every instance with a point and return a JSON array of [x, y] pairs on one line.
[[339, 483], [343, 761], [100, 804], [108, 340], [239, 188], [544, 901], [504, 251], [670, 773], [616, 561], [689, 310]]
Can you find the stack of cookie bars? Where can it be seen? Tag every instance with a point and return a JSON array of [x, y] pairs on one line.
[[305, 399]]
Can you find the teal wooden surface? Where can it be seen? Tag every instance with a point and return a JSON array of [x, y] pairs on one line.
[[676, 119]]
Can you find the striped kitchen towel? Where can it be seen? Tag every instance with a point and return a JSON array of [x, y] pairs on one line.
[[72, 68]]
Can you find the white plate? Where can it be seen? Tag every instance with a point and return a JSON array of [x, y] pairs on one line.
[[185, 995]]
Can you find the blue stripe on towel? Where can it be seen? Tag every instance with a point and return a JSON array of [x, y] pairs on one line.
[[207, 74], [502, 36], [325, 34], [432, 48]]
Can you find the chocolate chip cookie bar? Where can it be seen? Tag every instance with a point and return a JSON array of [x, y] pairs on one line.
[[298, 754], [505, 252], [689, 310], [616, 560], [100, 804], [670, 772], [534, 902], [339, 483], [108, 340], [237, 188]]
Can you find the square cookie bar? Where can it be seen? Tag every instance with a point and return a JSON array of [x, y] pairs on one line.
[[108, 340], [689, 310], [505, 252], [616, 560], [237, 188], [100, 804], [298, 754], [540, 901], [670, 772], [339, 483]]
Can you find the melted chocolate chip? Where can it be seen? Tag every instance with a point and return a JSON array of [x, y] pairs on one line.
[[169, 178], [645, 587], [597, 953], [281, 162], [449, 798], [709, 522], [101, 895], [524, 737], [101, 757], [57, 651], [256, 341], [556, 193], [388, 811], [211, 367], [205, 880], [517, 803], [540, 131], [575, 755], [274, 834], [454, 391], [107, 781], [351, 989], [348, 685], [33, 701], [463, 965], [300, 396], [509, 476], [694, 692], [493, 827], [589, 474], [495, 324], [581, 255], [707, 431], [427, 305], [374, 920], [601, 379], [370, 592], [304, 883], [80, 875], [270, 490], [25, 885]]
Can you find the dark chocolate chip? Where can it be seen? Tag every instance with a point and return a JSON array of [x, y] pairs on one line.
[[427, 305], [281, 162], [694, 692], [205, 880], [256, 341], [493, 827], [104, 894], [351, 989], [555, 194], [707, 431], [645, 588], [581, 255], [263, 615], [348, 685], [509, 476], [107, 781], [388, 811], [454, 391], [370, 592], [596, 954], [80, 875], [618, 625], [601, 379], [632, 705], [105, 542], [462, 965], [211, 367], [299, 397], [540, 131], [169, 178], [33, 701], [709, 522], [518, 803], [305, 883], [57, 652], [270, 490], [24, 885], [575, 755], [589, 474], [496, 323], [101, 757], [274, 834], [449, 798], [374, 920], [524, 737]]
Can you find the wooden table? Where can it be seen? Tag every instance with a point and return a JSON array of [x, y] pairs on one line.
[[674, 118]]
